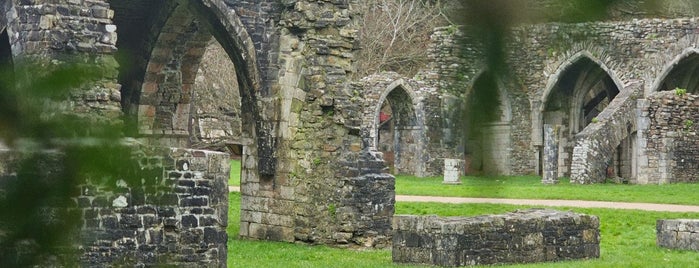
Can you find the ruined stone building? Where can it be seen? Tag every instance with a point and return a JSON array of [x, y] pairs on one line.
[[310, 136], [604, 91], [307, 174]]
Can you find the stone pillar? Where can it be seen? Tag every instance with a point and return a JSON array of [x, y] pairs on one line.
[[550, 165], [452, 171]]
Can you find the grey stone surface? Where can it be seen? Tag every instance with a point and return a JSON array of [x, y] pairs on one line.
[[678, 234], [636, 56], [172, 210], [527, 236], [551, 133]]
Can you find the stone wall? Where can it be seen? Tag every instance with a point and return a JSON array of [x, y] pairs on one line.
[[630, 52], [326, 173], [456, 67], [182, 223], [519, 237], [54, 29], [669, 131], [636, 55], [597, 144], [678, 234], [418, 143], [167, 206]]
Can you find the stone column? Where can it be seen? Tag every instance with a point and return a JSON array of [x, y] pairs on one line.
[[550, 165], [452, 171]]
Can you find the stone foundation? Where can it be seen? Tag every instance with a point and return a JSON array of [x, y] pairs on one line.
[[528, 236], [678, 234]]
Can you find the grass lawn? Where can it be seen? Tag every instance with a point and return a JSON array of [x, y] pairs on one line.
[[628, 240], [234, 177], [530, 187]]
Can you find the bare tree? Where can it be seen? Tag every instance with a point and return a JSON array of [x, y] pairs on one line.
[[395, 34], [216, 114]]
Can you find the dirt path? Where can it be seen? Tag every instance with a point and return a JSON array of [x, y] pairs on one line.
[[540, 202], [552, 203]]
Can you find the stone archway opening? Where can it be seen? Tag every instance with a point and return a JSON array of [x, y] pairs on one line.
[[684, 75], [582, 91], [7, 78], [216, 121], [6, 62], [487, 127], [398, 133], [7, 70], [168, 48], [624, 160]]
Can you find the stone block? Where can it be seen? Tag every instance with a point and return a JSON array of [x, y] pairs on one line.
[[678, 234], [534, 235], [452, 171]]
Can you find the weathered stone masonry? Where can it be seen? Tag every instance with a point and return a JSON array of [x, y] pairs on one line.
[[184, 222], [678, 234], [527, 236], [637, 57], [307, 173], [170, 206]]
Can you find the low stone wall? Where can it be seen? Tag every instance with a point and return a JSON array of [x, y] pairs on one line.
[[527, 236], [162, 207], [678, 234]]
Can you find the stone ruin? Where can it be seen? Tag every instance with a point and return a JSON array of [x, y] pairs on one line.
[[678, 234], [313, 169], [605, 90], [526, 236]]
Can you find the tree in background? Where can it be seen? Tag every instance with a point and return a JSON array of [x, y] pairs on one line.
[[394, 34], [216, 110]]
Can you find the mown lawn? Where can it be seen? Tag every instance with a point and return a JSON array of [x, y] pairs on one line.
[[234, 177], [628, 240], [530, 187]]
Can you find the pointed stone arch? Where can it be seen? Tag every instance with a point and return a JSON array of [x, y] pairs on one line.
[[158, 84], [488, 129], [578, 91], [681, 72], [397, 129], [402, 94], [177, 44]]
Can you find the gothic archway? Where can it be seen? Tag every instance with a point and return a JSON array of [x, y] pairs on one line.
[[683, 74], [488, 115], [398, 133], [583, 89]]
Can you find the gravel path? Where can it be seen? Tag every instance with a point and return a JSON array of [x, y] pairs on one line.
[[540, 202]]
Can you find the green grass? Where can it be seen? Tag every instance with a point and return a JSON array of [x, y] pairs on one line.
[[628, 240], [530, 187], [234, 178], [244, 253]]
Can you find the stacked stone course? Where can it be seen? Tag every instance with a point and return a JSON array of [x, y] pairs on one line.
[[172, 209], [678, 234], [670, 132], [527, 236]]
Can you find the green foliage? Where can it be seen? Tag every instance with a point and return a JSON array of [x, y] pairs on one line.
[[680, 92], [452, 29], [628, 240], [55, 152], [234, 177], [317, 161], [332, 210], [688, 125]]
